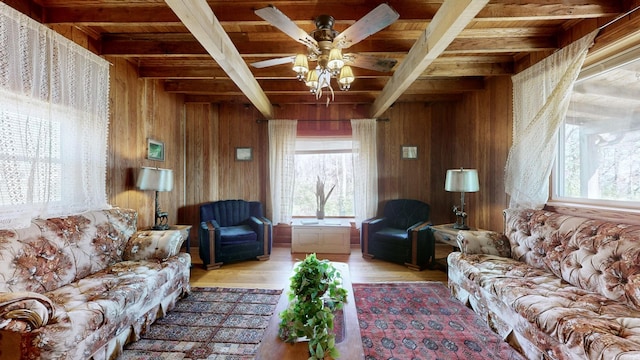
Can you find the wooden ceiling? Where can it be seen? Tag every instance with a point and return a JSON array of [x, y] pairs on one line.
[[443, 48]]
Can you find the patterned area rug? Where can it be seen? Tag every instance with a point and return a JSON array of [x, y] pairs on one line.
[[211, 323], [423, 321]]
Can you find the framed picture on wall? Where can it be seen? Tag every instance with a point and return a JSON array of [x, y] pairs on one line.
[[409, 152], [244, 154], [155, 150]]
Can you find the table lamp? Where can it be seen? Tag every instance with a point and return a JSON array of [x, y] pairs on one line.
[[158, 180], [462, 181]]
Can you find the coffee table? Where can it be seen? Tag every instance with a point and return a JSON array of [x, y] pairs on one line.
[[350, 347]]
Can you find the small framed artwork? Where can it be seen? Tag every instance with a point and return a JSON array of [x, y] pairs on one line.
[[155, 150], [409, 152], [244, 154]]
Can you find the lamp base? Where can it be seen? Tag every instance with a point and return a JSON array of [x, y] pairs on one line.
[[460, 226], [160, 227]]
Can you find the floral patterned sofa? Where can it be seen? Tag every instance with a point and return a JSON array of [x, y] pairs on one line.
[[81, 287], [554, 286]]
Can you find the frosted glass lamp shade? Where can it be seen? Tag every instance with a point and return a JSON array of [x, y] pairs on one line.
[[335, 60], [155, 179], [346, 76], [462, 180], [312, 79], [301, 64]]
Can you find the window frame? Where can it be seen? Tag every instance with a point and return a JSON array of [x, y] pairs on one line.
[[336, 151], [610, 62]]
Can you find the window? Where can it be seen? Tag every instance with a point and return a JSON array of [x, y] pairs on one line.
[[330, 160], [599, 142], [31, 158], [54, 116]]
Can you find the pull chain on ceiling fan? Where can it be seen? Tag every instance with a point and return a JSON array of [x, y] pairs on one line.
[[325, 48]]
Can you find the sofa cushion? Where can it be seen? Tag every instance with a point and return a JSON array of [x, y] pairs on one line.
[[594, 255], [146, 245], [587, 323], [56, 252], [90, 312]]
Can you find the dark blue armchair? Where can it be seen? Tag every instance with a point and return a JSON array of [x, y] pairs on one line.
[[401, 235], [233, 230]]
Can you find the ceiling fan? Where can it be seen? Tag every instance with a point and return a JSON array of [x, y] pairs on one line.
[[325, 46]]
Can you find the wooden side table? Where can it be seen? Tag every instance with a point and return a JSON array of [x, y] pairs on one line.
[[445, 234]]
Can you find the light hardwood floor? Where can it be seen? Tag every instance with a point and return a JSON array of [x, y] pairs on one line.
[[275, 273]]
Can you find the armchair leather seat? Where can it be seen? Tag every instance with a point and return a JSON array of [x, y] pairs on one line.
[[233, 230], [237, 235], [401, 235]]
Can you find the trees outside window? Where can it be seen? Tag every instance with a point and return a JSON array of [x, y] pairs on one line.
[[599, 147], [330, 160]]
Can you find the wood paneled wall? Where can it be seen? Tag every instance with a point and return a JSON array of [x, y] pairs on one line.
[[200, 141], [140, 109], [482, 138], [473, 133]]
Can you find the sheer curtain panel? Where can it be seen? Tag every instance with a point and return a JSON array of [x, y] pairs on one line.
[[53, 123], [282, 169], [541, 97], [365, 169]]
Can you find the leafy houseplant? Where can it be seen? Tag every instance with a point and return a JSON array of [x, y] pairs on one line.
[[321, 199], [314, 295]]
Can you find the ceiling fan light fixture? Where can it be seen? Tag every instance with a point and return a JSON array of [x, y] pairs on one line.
[[301, 66], [346, 78], [312, 81], [336, 61]]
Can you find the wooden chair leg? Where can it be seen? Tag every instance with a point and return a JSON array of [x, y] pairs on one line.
[[212, 249], [365, 241]]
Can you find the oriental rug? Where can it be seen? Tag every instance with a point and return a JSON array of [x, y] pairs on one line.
[[422, 320], [210, 323], [398, 321]]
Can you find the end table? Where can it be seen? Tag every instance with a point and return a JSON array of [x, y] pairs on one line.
[[445, 234]]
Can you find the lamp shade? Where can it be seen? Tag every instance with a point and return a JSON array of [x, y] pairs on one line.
[[335, 59], [462, 180], [301, 64], [155, 179], [346, 75]]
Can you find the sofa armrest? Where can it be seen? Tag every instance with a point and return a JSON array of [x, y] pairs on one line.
[[483, 242], [24, 310], [153, 245]]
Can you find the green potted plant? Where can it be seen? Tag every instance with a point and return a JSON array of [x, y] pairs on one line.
[[315, 293], [321, 199]]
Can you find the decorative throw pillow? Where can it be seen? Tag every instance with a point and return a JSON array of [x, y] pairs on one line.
[[147, 245], [483, 242]]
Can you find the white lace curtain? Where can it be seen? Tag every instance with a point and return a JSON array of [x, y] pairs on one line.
[[282, 169], [53, 123], [541, 97], [365, 168]]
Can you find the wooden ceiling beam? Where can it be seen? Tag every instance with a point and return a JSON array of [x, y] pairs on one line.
[[198, 17], [452, 17], [123, 12], [170, 47], [286, 86], [440, 67], [309, 99]]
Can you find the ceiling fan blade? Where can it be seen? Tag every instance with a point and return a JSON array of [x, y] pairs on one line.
[[370, 62], [278, 19], [273, 62], [376, 20]]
